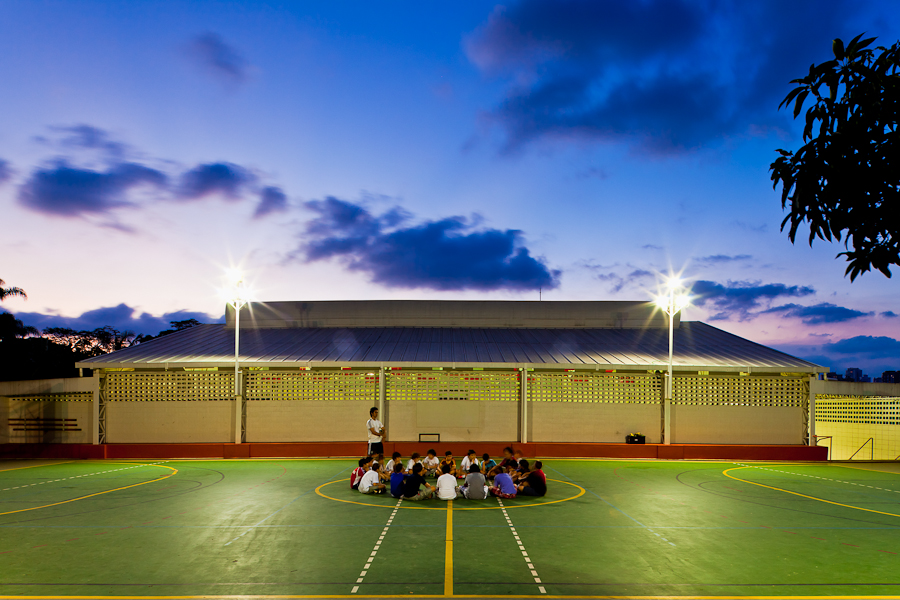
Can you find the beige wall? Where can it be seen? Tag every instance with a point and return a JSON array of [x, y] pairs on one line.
[[455, 420], [850, 388], [307, 420], [46, 386], [704, 424], [847, 438], [170, 422], [32, 409], [592, 421]]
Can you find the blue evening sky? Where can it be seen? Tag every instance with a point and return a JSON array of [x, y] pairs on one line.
[[358, 150]]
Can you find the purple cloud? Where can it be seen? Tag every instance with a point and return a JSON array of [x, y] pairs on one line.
[[226, 179], [121, 317], [221, 60], [739, 298], [69, 191], [449, 254], [818, 314], [271, 199]]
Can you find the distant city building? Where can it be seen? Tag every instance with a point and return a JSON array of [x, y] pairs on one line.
[[890, 377], [854, 374], [834, 377], [877, 380], [865, 379]]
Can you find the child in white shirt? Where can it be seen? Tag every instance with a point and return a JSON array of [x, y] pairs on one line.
[[431, 464], [467, 462], [371, 481], [446, 485], [412, 462]]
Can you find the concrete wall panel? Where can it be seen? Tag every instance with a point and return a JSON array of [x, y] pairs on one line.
[[169, 422], [704, 424], [45, 410], [307, 420], [592, 421]]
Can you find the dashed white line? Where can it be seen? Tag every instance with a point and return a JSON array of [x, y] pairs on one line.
[[378, 543], [530, 565], [822, 478], [85, 475]]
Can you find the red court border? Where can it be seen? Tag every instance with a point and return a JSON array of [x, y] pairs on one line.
[[354, 449]]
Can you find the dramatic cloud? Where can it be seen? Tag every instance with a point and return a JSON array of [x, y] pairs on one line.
[[121, 317], [716, 259], [210, 52], [818, 313], [70, 191], [741, 297], [223, 178], [889, 314], [867, 345], [271, 199], [91, 138], [6, 171], [442, 255], [660, 75]]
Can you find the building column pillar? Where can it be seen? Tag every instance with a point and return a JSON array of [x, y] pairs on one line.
[[523, 403]]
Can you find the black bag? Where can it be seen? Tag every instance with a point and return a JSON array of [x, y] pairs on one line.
[[634, 438]]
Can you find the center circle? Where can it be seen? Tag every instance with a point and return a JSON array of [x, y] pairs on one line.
[[581, 492]]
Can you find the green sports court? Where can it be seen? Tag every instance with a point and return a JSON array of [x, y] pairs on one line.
[[293, 528]]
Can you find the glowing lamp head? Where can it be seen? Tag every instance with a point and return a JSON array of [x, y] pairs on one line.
[[662, 302], [682, 301], [673, 283], [234, 276]]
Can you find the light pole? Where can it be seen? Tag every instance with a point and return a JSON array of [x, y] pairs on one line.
[[238, 298], [674, 300]]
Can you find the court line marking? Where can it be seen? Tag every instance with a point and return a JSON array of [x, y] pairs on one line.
[[173, 469], [448, 552], [528, 562], [78, 476], [725, 473], [874, 487], [578, 495], [65, 462], [378, 543], [298, 596]]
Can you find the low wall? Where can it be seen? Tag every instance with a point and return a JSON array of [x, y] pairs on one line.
[[162, 422], [314, 420], [701, 424], [598, 422], [356, 449], [47, 411]]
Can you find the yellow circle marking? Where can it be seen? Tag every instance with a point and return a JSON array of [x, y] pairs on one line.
[[725, 473], [174, 471], [579, 494]]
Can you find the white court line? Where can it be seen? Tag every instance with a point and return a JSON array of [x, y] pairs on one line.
[[362, 574], [823, 478], [85, 475], [528, 562]]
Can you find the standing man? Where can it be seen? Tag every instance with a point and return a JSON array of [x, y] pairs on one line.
[[375, 431]]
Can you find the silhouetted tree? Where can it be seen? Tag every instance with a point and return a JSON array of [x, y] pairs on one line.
[[102, 340], [845, 180], [11, 291], [176, 326], [12, 328]]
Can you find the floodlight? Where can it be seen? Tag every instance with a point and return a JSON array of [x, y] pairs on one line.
[[682, 301]]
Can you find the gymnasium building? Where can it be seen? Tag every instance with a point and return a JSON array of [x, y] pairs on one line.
[[560, 378]]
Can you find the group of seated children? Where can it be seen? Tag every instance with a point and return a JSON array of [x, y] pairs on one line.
[[511, 477]]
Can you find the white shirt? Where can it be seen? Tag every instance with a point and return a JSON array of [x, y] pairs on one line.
[[466, 464], [410, 464], [376, 425], [431, 463], [446, 487], [389, 467], [370, 478]]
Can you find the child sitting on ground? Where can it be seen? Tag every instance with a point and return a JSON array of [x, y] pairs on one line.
[[370, 482], [467, 462], [487, 464], [358, 472], [446, 484], [413, 483], [506, 464], [431, 464], [448, 462], [503, 486], [535, 483], [474, 488], [412, 462], [397, 478], [395, 460]]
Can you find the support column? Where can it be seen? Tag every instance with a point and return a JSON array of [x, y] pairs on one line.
[[238, 409], [523, 403], [95, 401], [812, 411]]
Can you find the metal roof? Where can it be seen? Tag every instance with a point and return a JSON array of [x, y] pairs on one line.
[[698, 346]]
